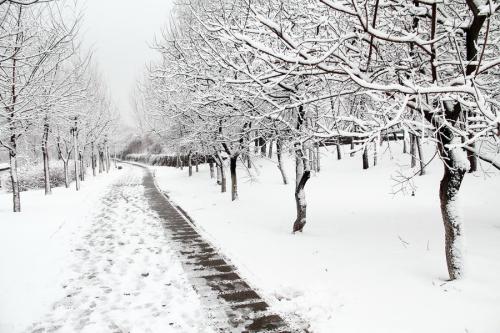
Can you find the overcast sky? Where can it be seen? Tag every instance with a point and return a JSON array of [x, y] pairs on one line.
[[120, 32]]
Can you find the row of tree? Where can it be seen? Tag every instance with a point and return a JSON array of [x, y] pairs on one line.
[[302, 72], [50, 91]]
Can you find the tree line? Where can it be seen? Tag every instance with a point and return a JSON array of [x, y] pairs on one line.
[[51, 92], [234, 75]]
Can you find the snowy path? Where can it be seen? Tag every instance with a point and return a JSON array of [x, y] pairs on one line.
[[124, 276], [137, 267]]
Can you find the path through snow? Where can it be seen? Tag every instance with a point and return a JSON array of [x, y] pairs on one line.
[[124, 276]]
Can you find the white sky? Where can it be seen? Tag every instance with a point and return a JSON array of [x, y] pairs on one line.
[[120, 32]]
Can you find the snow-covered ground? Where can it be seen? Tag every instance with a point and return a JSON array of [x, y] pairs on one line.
[[368, 261], [92, 261]]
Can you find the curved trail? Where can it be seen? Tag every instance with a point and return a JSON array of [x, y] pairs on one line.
[[143, 267]]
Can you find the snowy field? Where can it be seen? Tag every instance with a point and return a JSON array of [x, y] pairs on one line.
[[368, 260], [92, 261]]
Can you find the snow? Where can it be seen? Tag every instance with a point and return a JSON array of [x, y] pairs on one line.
[[368, 260], [92, 261]]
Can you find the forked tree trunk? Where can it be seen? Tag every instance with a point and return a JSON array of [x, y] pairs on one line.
[[234, 179], [279, 154], [46, 161], [16, 193]]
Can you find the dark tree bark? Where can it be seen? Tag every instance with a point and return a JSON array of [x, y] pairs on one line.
[[94, 160], [418, 144], [74, 132], [234, 179], [405, 142], [190, 164], [339, 151], [366, 163], [352, 146], [302, 175], [413, 150], [16, 193], [300, 199], [455, 166], [45, 156]]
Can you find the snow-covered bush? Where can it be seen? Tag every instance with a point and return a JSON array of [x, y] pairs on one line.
[[31, 176]]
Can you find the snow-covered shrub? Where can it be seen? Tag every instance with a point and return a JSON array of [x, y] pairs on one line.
[[31, 176]]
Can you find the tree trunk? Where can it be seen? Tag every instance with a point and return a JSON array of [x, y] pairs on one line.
[[211, 165], [93, 160], [190, 165], [418, 144], [405, 141], [339, 151], [234, 180], [196, 162], [318, 158], [271, 143], [223, 181], [302, 175], [45, 155], [375, 151], [66, 172], [279, 154], [82, 168], [263, 147], [472, 157], [352, 146], [366, 163], [108, 160], [448, 192], [455, 166], [413, 150], [76, 161], [16, 193], [219, 174]]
